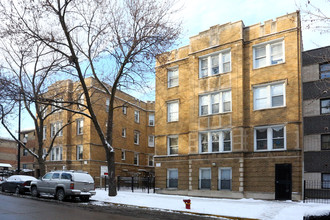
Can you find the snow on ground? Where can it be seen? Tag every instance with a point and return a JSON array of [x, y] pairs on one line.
[[248, 208]]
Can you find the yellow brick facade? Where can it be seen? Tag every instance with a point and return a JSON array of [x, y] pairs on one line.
[[252, 170], [93, 156]]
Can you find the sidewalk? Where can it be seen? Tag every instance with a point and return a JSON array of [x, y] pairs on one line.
[[242, 208]]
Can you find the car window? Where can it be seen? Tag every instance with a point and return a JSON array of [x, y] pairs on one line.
[[47, 176], [83, 177], [66, 176], [56, 176]]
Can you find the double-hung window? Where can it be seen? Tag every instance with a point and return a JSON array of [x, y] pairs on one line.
[[269, 138], [151, 119], [107, 104], [136, 158], [136, 116], [123, 132], [44, 133], [56, 154], [215, 141], [215, 63], [124, 110], [325, 106], [151, 141], [136, 137], [172, 178], [214, 103], [225, 177], [123, 154], [269, 96], [173, 77], [57, 105], [173, 144], [325, 141], [80, 126], [80, 152], [325, 180], [324, 70], [173, 111], [269, 53], [205, 178], [81, 100], [151, 160], [54, 128]]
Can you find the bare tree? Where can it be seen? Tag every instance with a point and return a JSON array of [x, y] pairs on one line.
[[114, 41]]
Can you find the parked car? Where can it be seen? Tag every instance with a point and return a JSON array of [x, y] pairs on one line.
[[63, 184], [18, 184]]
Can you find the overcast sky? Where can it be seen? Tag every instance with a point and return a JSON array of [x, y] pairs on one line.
[[200, 15]]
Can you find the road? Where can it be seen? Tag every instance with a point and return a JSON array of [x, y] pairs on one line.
[[14, 207]]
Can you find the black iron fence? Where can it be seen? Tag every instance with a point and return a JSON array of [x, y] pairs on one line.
[[144, 184], [316, 191]]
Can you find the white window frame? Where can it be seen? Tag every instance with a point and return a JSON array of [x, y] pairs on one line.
[[107, 104], [172, 116], [269, 95], [136, 156], [152, 142], [137, 116], [80, 149], [151, 121], [269, 138], [268, 56], [81, 100], [150, 160], [200, 177], [168, 177], [220, 177], [137, 134], [80, 126], [172, 77], [124, 110], [221, 141], [44, 132], [59, 104], [56, 154], [54, 128], [209, 102], [123, 132], [123, 154], [168, 144], [208, 59]]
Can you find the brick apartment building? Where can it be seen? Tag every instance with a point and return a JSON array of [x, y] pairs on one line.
[[26, 159], [8, 152], [229, 121], [78, 146], [316, 114]]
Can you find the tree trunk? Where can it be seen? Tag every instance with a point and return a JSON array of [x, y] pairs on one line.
[[42, 167], [111, 173]]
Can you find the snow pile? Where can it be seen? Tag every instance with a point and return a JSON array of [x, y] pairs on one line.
[[248, 208]]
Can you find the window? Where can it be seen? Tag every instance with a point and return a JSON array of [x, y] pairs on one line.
[[325, 141], [324, 70], [325, 180], [44, 152], [136, 116], [136, 159], [136, 137], [56, 176], [44, 133], [325, 106], [151, 160], [173, 111], [24, 166], [172, 178], [268, 54], [215, 64], [107, 104], [43, 111], [270, 138], [225, 178], [124, 110], [81, 100], [172, 77], [54, 128], [173, 145], [215, 141], [25, 152], [123, 132], [269, 96], [215, 103], [151, 119], [66, 176], [123, 155], [47, 176], [151, 141], [80, 126], [205, 178], [80, 152], [56, 154], [57, 104]]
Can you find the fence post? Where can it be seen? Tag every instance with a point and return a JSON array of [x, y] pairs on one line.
[[148, 184], [154, 183], [105, 183], [132, 183], [304, 192], [118, 182]]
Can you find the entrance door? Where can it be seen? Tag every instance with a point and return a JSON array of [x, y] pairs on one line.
[[283, 181]]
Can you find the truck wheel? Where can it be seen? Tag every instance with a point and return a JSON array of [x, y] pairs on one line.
[[34, 191], [84, 198], [60, 195]]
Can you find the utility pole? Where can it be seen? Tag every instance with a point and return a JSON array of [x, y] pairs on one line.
[[19, 136]]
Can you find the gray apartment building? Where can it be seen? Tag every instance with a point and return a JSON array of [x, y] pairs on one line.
[[316, 116]]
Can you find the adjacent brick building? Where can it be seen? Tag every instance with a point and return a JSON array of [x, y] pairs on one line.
[[78, 146], [228, 113], [8, 152], [316, 113]]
